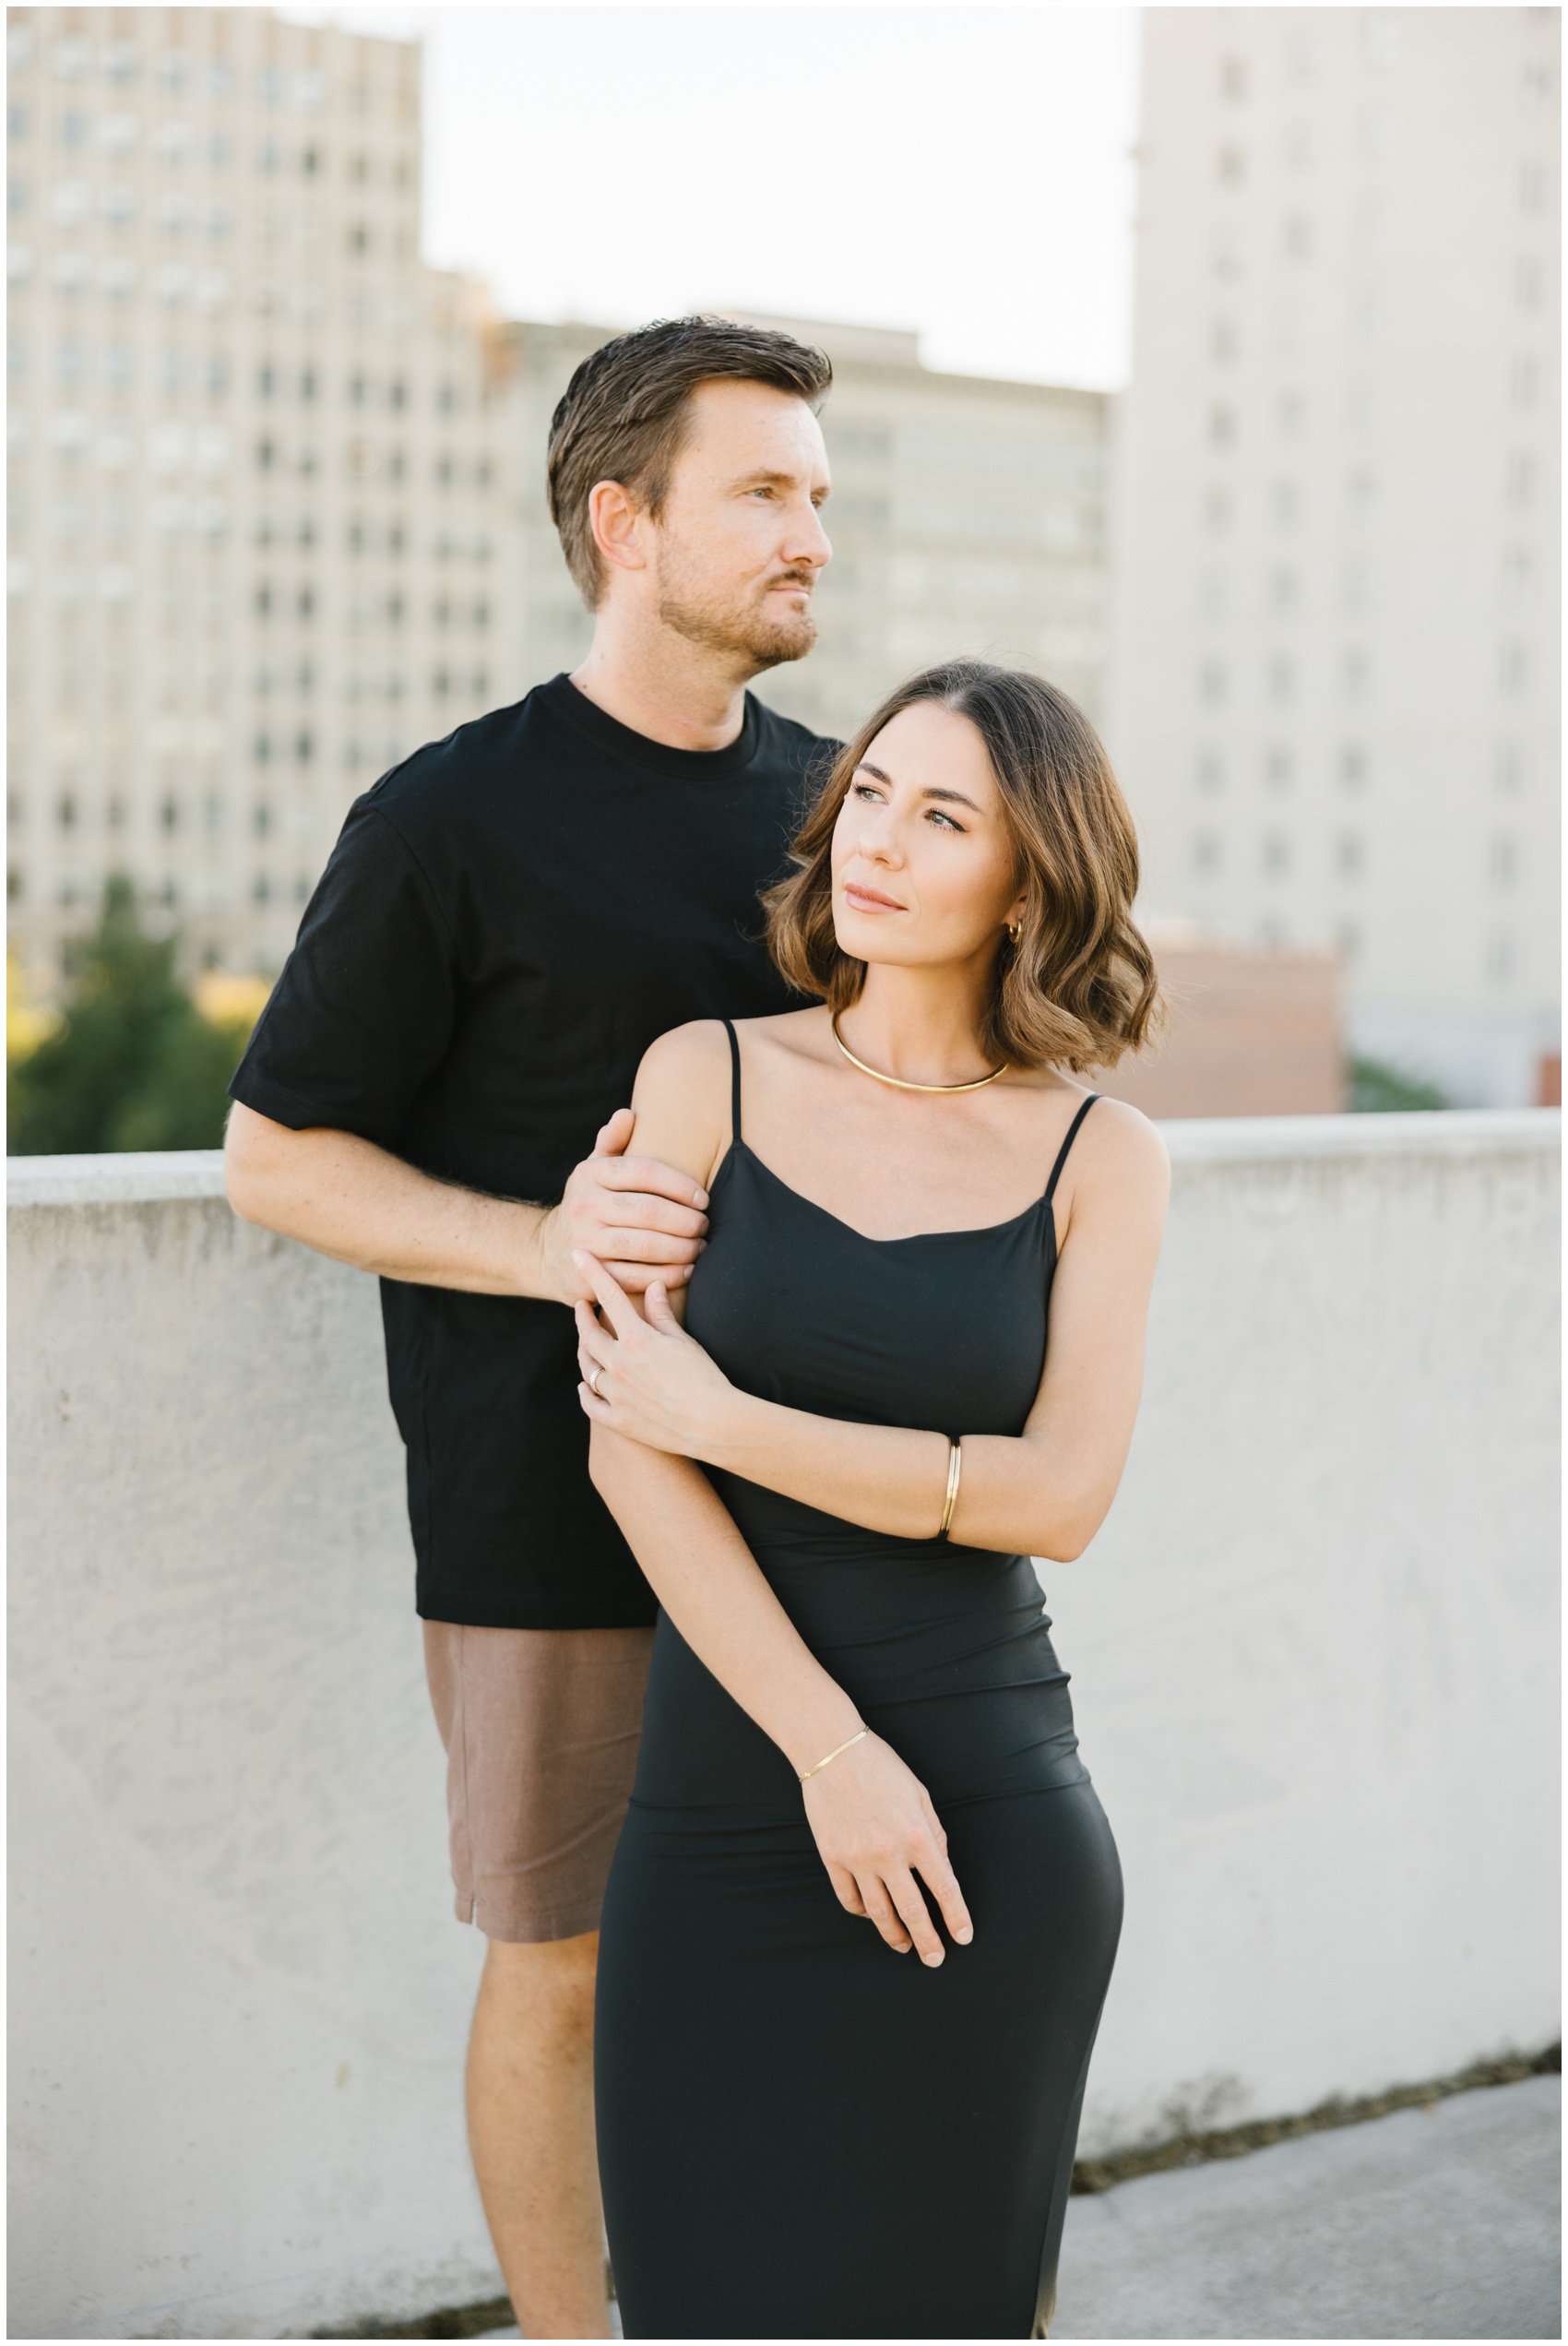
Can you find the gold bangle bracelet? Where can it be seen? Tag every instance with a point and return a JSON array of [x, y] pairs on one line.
[[859, 1736], [955, 1469]]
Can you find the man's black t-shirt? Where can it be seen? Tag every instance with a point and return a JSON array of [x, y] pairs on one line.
[[507, 920]]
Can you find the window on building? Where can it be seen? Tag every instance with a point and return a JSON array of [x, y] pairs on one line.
[[1217, 511], [1502, 861], [1284, 589], [1231, 166], [1233, 76], [169, 814], [1222, 428], [1525, 382], [1297, 237], [1349, 855], [1224, 341], [1209, 851], [1356, 671], [1353, 767], [1508, 769], [1287, 503], [1521, 478], [1500, 957], [1212, 682], [65, 811], [1529, 282], [1513, 668], [1278, 767], [1281, 675], [1535, 187], [1276, 853]]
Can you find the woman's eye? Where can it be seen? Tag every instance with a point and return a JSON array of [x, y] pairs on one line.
[[946, 820]]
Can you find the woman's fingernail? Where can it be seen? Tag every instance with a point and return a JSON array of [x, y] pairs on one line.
[[966, 1934]]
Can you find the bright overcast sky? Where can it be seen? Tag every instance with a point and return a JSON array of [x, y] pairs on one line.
[[964, 171]]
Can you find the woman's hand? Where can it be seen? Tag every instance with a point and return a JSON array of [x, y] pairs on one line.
[[875, 1831], [654, 1383]]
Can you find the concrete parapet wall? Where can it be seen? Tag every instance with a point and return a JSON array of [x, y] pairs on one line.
[[1314, 1654]]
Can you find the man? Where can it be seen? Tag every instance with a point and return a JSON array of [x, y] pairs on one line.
[[507, 920]]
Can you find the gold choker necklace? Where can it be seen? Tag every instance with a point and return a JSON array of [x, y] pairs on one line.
[[898, 1081]]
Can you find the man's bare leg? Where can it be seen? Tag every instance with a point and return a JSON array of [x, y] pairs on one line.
[[531, 2129]]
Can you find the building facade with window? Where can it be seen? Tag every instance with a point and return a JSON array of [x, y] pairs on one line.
[[254, 555], [969, 515], [1335, 665]]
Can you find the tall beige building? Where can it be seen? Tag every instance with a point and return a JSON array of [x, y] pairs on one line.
[[1334, 694], [255, 544], [967, 515]]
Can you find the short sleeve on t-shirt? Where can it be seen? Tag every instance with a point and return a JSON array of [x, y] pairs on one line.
[[364, 1011]]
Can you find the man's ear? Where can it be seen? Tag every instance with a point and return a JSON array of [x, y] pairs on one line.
[[619, 525]]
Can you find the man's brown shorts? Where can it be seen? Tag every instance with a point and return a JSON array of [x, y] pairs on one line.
[[542, 1729]]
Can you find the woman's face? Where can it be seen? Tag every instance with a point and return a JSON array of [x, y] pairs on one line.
[[924, 871]]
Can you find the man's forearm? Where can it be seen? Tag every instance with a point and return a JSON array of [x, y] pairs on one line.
[[358, 1203]]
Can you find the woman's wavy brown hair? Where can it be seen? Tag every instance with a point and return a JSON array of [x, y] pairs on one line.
[[1079, 987]]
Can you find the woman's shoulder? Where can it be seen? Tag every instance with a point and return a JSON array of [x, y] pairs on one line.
[[681, 1098], [1116, 1146]]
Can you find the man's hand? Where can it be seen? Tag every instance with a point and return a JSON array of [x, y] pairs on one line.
[[642, 1220]]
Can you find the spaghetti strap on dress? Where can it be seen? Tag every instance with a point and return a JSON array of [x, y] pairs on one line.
[[801, 2134]]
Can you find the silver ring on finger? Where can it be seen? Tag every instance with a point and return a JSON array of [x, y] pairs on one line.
[[594, 1377]]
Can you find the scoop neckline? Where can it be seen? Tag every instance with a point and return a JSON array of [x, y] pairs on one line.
[[913, 1238]]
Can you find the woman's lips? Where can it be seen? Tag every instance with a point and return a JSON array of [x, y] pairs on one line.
[[866, 899]]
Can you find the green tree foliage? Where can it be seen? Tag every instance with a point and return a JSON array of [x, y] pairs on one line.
[[133, 1063], [1376, 1089]]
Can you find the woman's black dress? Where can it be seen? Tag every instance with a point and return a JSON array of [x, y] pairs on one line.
[[801, 2133]]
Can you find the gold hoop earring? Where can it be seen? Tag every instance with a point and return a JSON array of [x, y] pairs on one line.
[[1015, 932]]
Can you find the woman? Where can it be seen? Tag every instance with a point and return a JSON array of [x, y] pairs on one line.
[[800, 2136]]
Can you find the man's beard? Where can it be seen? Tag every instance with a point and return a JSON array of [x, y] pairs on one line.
[[744, 631]]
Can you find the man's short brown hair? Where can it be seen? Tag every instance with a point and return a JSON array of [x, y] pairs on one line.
[[623, 417]]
